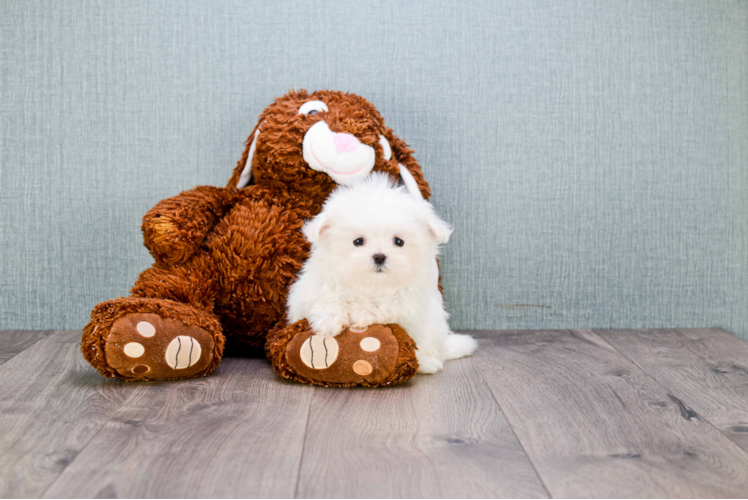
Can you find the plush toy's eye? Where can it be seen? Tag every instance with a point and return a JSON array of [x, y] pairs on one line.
[[398, 241], [312, 108], [358, 242]]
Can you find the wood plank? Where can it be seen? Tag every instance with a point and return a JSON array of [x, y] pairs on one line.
[[13, 342], [236, 433], [437, 436], [51, 404], [595, 425], [705, 368]]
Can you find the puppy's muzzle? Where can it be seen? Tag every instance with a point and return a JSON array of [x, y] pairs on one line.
[[379, 259]]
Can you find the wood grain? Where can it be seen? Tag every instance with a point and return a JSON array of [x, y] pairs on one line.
[[51, 404], [236, 433], [436, 436], [705, 368], [592, 422], [595, 425], [13, 342]]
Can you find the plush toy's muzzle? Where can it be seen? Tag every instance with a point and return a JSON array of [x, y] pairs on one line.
[[340, 155]]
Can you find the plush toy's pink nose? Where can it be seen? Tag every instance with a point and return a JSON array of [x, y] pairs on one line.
[[345, 142]]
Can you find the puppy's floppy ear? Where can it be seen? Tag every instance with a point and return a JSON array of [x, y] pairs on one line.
[[317, 227], [404, 156], [242, 176], [437, 228]]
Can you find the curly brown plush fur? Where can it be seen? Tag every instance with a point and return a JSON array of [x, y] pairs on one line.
[[225, 257]]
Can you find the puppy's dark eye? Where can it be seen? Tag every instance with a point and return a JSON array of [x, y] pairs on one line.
[[398, 241], [358, 242], [312, 112]]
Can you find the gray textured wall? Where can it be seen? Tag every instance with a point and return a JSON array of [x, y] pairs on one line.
[[593, 155]]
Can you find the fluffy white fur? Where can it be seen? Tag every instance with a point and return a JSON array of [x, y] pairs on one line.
[[342, 285]]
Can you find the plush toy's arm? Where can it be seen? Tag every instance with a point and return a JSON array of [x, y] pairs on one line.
[[174, 229]]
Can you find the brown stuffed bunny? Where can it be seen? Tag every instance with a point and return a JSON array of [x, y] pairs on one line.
[[225, 257]]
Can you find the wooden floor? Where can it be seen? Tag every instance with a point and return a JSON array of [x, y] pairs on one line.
[[645, 413]]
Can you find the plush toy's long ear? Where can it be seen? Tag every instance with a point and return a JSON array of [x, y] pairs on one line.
[[404, 156], [315, 228], [410, 183], [242, 176]]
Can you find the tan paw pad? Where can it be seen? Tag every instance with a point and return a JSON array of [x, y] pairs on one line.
[[362, 367], [146, 329], [319, 352], [183, 352], [370, 344], [134, 349]]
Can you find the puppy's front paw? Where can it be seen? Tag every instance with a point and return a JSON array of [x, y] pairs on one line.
[[428, 364], [362, 319], [329, 325]]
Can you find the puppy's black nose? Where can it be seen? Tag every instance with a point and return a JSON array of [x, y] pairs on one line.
[[379, 258]]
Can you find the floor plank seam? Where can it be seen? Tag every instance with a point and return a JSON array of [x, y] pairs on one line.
[[49, 332], [678, 400], [100, 429], [524, 450], [303, 445]]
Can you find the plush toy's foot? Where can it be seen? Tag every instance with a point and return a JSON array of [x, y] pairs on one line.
[[152, 339], [376, 356]]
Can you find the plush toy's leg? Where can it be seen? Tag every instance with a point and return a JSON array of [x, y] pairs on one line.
[[138, 338], [380, 355]]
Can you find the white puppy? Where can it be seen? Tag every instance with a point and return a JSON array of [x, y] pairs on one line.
[[373, 261]]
